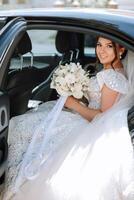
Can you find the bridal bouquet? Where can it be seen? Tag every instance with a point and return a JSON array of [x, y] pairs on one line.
[[70, 79]]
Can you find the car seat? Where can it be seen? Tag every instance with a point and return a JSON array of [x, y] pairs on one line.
[[20, 82], [67, 44]]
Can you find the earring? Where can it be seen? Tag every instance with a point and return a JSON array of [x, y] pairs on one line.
[[120, 55]]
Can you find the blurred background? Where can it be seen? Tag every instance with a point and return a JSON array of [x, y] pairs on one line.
[[18, 4]]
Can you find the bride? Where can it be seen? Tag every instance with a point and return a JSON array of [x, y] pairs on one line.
[[90, 155]]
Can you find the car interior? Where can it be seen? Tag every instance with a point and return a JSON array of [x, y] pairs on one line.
[[22, 80], [67, 44], [30, 74], [33, 63]]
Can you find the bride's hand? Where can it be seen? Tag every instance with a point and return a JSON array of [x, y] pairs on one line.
[[71, 102]]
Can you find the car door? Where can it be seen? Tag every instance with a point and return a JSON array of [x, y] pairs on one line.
[[10, 35]]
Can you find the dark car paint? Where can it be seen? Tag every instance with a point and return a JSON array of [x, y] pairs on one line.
[[9, 36], [4, 121], [117, 24]]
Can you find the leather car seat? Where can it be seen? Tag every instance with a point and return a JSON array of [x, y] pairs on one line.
[[67, 44], [20, 82]]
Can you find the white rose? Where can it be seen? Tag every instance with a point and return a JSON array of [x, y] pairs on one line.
[[78, 94], [70, 78], [63, 92], [52, 85], [64, 87], [77, 87], [60, 80]]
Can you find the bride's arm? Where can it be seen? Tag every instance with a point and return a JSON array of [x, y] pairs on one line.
[[108, 97]]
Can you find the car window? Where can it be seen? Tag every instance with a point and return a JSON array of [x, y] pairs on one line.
[[89, 44], [43, 50], [43, 41]]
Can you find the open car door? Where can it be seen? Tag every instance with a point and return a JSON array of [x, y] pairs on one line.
[[10, 35], [4, 121]]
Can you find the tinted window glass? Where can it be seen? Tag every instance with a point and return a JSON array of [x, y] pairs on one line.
[[43, 41], [43, 50], [89, 44]]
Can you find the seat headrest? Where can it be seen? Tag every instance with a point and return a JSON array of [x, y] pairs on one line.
[[24, 46], [66, 41]]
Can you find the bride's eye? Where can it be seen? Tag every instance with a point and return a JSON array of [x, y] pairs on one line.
[[98, 44], [110, 46]]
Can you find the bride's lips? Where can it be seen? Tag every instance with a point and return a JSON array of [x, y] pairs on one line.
[[102, 57]]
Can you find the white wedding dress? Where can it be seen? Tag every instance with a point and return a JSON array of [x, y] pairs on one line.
[[86, 161]]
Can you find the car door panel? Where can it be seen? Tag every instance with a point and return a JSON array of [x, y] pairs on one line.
[[10, 35], [4, 121]]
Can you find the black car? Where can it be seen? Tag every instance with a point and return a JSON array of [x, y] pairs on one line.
[[33, 42]]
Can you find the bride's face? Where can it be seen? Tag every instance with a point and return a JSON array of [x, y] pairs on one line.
[[106, 51]]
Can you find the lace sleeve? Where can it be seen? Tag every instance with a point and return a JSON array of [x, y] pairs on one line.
[[114, 80]]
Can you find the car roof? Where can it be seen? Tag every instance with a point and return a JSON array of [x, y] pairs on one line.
[[118, 21], [73, 11], [82, 13]]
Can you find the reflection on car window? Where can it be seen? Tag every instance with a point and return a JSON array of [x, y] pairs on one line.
[[43, 41], [89, 44], [43, 50]]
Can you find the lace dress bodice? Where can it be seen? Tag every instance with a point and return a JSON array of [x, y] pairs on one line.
[[22, 127], [113, 79]]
